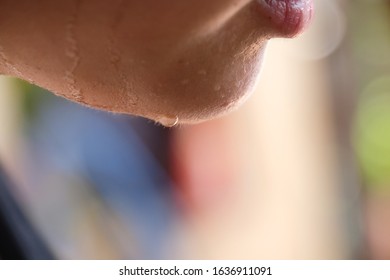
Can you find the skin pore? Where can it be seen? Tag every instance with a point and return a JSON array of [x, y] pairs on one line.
[[187, 59]]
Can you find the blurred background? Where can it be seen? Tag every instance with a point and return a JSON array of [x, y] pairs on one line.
[[301, 171]]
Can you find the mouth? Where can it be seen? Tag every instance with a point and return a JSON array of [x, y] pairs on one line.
[[290, 17]]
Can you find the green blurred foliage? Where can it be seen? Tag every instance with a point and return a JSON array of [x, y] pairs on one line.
[[372, 138], [32, 98], [370, 38]]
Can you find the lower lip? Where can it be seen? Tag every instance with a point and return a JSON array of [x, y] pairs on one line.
[[290, 17]]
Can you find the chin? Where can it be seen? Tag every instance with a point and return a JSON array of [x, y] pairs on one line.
[[192, 93]]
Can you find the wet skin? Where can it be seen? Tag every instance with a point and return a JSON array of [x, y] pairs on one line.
[[192, 59]]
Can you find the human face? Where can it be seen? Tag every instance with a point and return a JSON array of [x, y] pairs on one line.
[[186, 60]]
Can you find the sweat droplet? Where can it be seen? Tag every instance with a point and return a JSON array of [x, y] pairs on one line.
[[169, 121]]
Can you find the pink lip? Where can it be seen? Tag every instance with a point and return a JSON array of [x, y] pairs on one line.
[[291, 17]]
